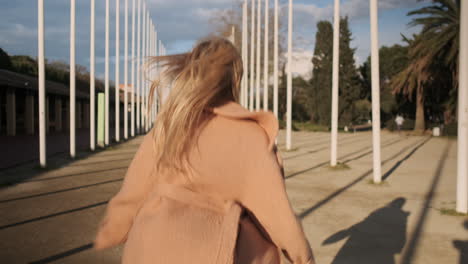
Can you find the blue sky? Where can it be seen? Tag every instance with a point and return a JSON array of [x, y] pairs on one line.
[[181, 22]]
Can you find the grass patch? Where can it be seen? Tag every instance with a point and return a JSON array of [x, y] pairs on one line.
[[6, 184], [290, 150], [450, 212], [306, 126], [339, 166], [382, 183]]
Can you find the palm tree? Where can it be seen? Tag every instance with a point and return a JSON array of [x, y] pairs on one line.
[[435, 47]]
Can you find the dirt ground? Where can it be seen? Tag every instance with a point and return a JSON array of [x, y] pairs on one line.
[[51, 215]]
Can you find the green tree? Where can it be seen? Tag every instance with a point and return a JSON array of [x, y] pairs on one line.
[[349, 84], [320, 89], [5, 62], [434, 56], [24, 64], [392, 61]]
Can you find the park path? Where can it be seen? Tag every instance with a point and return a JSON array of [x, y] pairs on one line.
[[51, 215]]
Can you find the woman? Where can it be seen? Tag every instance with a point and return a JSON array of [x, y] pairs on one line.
[[206, 185]]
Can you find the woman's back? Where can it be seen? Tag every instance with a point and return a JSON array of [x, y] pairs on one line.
[[206, 184]]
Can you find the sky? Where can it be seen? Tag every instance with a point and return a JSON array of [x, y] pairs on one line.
[[180, 23]]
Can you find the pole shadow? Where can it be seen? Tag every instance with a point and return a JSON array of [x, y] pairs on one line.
[[61, 191], [54, 215], [63, 255], [398, 164], [336, 193], [462, 247], [376, 239], [410, 250], [387, 143], [343, 141]]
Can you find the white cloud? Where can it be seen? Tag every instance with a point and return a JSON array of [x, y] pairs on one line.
[[302, 63]]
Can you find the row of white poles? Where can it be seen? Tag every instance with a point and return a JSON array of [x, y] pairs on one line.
[[148, 46], [250, 95], [248, 99]]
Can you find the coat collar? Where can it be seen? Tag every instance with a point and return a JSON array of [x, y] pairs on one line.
[[265, 119]]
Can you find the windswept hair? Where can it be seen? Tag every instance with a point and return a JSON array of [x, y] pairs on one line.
[[204, 78]]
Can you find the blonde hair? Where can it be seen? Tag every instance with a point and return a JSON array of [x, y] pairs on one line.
[[204, 78]]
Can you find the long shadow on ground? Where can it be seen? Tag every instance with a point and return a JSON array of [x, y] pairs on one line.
[[352, 183], [386, 143], [376, 239], [410, 250]]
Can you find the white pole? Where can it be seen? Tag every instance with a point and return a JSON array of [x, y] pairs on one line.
[[92, 85], [289, 81], [244, 54], [462, 177], [106, 138], [117, 70], [148, 50], [259, 43], [41, 75], [157, 53], [265, 60], [145, 55], [275, 63], [138, 73], [252, 56], [72, 80], [143, 79], [132, 117], [335, 83], [375, 90], [151, 73], [125, 111]]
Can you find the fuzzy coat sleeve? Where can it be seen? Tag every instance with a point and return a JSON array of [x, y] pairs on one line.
[[123, 207], [264, 194]]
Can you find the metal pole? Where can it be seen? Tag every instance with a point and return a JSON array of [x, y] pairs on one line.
[[289, 80], [244, 54], [335, 83], [265, 60], [157, 53], [41, 79], [138, 72], [106, 118], [125, 109], [132, 113], [92, 85], [275, 63], [117, 70], [259, 43], [143, 77], [252, 56], [375, 90], [148, 50], [72, 80], [462, 175]]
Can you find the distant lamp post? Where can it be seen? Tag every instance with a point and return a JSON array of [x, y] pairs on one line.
[[265, 59], [275, 62], [462, 178], [41, 80], [252, 56], [335, 84], [375, 90], [289, 79], [72, 79]]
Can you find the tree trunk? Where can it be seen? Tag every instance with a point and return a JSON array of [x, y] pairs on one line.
[[419, 125]]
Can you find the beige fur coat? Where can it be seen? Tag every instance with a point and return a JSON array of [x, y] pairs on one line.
[[235, 210]]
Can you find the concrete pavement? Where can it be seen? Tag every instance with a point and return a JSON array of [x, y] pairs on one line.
[[51, 215]]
